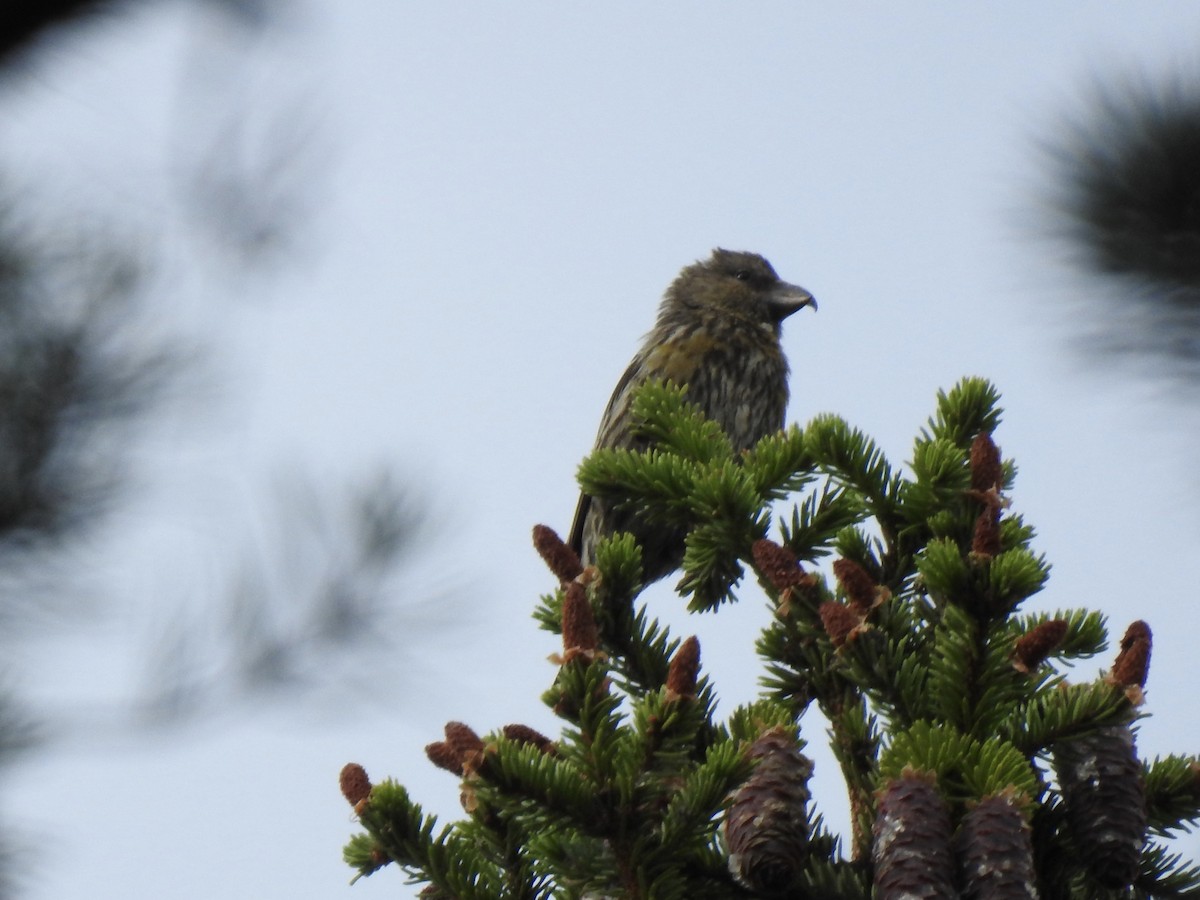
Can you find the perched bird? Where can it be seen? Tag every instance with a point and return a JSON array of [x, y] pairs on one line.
[[717, 334]]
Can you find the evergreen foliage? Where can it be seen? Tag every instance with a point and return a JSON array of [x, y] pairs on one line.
[[973, 766]]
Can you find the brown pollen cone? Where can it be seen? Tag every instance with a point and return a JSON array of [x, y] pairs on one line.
[[580, 635], [985, 540], [777, 564], [987, 473], [443, 756], [466, 744], [461, 752], [1133, 661], [355, 784], [561, 559], [860, 588], [1033, 647], [684, 670], [839, 621], [523, 734]]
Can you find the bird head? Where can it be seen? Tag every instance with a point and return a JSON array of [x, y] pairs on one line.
[[742, 285]]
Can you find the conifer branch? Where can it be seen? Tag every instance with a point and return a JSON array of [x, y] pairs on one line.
[[946, 701]]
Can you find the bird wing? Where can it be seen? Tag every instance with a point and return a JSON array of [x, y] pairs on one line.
[[615, 414], [581, 511], [614, 430]]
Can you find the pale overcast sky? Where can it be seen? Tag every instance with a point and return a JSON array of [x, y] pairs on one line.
[[506, 191]]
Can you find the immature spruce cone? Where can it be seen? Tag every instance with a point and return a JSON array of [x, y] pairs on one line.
[[1101, 783], [995, 855], [766, 826], [911, 848]]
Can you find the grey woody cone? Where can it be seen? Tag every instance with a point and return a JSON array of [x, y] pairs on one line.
[[995, 854], [766, 826], [1101, 783], [911, 842]]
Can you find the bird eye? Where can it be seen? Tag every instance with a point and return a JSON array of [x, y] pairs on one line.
[[742, 275]]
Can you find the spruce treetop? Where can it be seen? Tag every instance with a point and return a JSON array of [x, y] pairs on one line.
[[973, 766]]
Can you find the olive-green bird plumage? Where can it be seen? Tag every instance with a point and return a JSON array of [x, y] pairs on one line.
[[717, 333]]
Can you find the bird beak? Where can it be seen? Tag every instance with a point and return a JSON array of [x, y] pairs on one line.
[[785, 299]]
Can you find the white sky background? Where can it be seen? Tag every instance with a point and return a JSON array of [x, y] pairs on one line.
[[509, 191]]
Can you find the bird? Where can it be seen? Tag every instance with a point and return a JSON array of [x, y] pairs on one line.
[[717, 334]]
